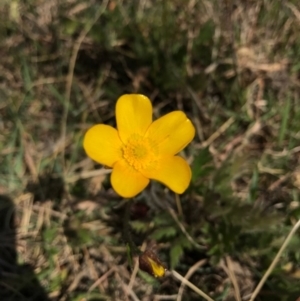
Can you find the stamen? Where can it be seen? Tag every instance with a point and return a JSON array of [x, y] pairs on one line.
[[140, 152]]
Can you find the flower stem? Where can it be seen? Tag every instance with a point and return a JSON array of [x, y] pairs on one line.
[[178, 204], [132, 249]]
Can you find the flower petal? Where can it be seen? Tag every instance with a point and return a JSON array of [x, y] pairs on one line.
[[102, 144], [126, 181], [173, 171], [133, 114], [171, 132]]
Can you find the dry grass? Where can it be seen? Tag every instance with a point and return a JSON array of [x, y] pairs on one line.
[[232, 67]]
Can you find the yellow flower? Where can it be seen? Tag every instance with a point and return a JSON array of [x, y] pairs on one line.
[[141, 149]]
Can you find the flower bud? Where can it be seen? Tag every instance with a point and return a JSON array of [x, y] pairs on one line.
[[150, 263]]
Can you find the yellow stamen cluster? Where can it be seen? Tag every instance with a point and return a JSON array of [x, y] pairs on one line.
[[140, 152]]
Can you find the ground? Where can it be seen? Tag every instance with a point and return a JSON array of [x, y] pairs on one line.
[[232, 66]]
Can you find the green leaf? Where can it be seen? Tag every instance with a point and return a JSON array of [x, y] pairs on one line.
[[175, 254], [165, 232], [200, 167], [184, 242], [253, 186], [26, 75], [162, 219], [139, 227], [285, 120]]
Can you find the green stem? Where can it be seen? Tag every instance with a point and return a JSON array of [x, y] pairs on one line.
[[132, 249]]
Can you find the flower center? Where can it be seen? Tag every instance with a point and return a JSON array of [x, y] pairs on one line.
[[140, 152]]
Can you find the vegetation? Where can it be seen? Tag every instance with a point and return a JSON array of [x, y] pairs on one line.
[[231, 66]]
